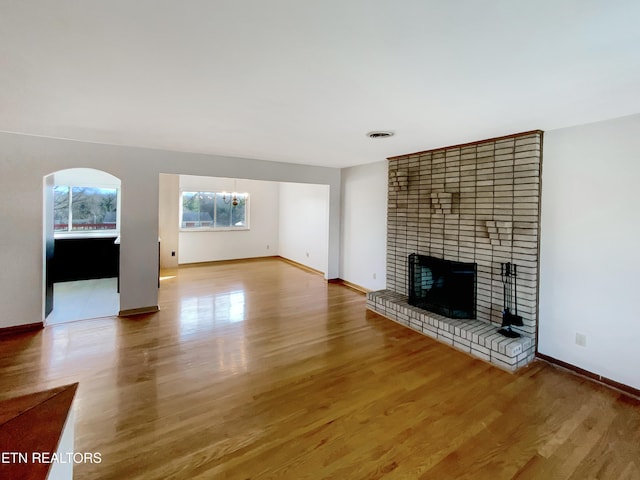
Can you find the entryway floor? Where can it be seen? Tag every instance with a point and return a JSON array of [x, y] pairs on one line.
[[83, 299]]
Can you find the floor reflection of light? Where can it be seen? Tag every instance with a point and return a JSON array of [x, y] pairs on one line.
[[167, 277], [232, 356], [203, 313], [66, 347], [230, 307]]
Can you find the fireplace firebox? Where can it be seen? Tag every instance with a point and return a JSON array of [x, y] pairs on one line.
[[443, 286]]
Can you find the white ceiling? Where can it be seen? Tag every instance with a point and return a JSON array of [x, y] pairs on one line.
[[303, 81]]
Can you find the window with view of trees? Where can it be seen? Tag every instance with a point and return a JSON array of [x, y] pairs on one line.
[[78, 209], [212, 210]]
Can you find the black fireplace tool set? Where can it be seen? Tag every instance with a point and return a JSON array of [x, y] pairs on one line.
[[509, 274]]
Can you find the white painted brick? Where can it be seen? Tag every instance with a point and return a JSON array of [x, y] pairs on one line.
[[481, 355], [430, 331], [504, 365], [514, 348], [463, 333], [445, 334], [415, 326], [478, 336], [480, 348], [448, 341], [526, 342], [503, 358], [462, 347], [523, 355], [489, 339]]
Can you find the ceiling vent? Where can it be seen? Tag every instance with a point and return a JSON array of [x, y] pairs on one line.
[[379, 134]]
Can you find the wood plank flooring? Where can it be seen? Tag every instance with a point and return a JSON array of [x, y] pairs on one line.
[[259, 369]]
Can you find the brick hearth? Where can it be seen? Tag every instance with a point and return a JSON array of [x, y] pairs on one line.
[[475, 337]]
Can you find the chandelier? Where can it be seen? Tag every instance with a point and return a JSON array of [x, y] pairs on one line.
[[233, 197]]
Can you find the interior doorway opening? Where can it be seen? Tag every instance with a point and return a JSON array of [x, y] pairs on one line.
[[81, 237]]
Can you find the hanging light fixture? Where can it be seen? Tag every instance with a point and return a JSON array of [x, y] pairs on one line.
[[233, 198]]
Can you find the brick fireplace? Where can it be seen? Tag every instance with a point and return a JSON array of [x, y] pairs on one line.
[[477, 203]]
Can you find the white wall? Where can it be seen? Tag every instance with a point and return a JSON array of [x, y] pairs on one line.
[[169, 190], [25, 160], [259, 241], [85, 177], [364, 225], [304, 217], [589, 253]]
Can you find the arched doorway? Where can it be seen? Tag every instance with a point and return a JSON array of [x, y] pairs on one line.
[[81, 232]]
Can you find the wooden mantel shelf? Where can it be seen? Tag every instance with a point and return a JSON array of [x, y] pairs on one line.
[[32, 425]]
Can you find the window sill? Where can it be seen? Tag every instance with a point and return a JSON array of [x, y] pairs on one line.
[[102, 234], [206, 229]]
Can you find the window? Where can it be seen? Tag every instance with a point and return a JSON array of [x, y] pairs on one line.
[[215, 211], [84, 209]]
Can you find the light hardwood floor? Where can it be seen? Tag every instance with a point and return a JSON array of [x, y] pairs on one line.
[[262, 370]]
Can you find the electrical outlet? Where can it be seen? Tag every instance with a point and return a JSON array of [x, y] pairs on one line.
[[173, 253], [307, 254], [374, 276], [267, 247], [581, 339]]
